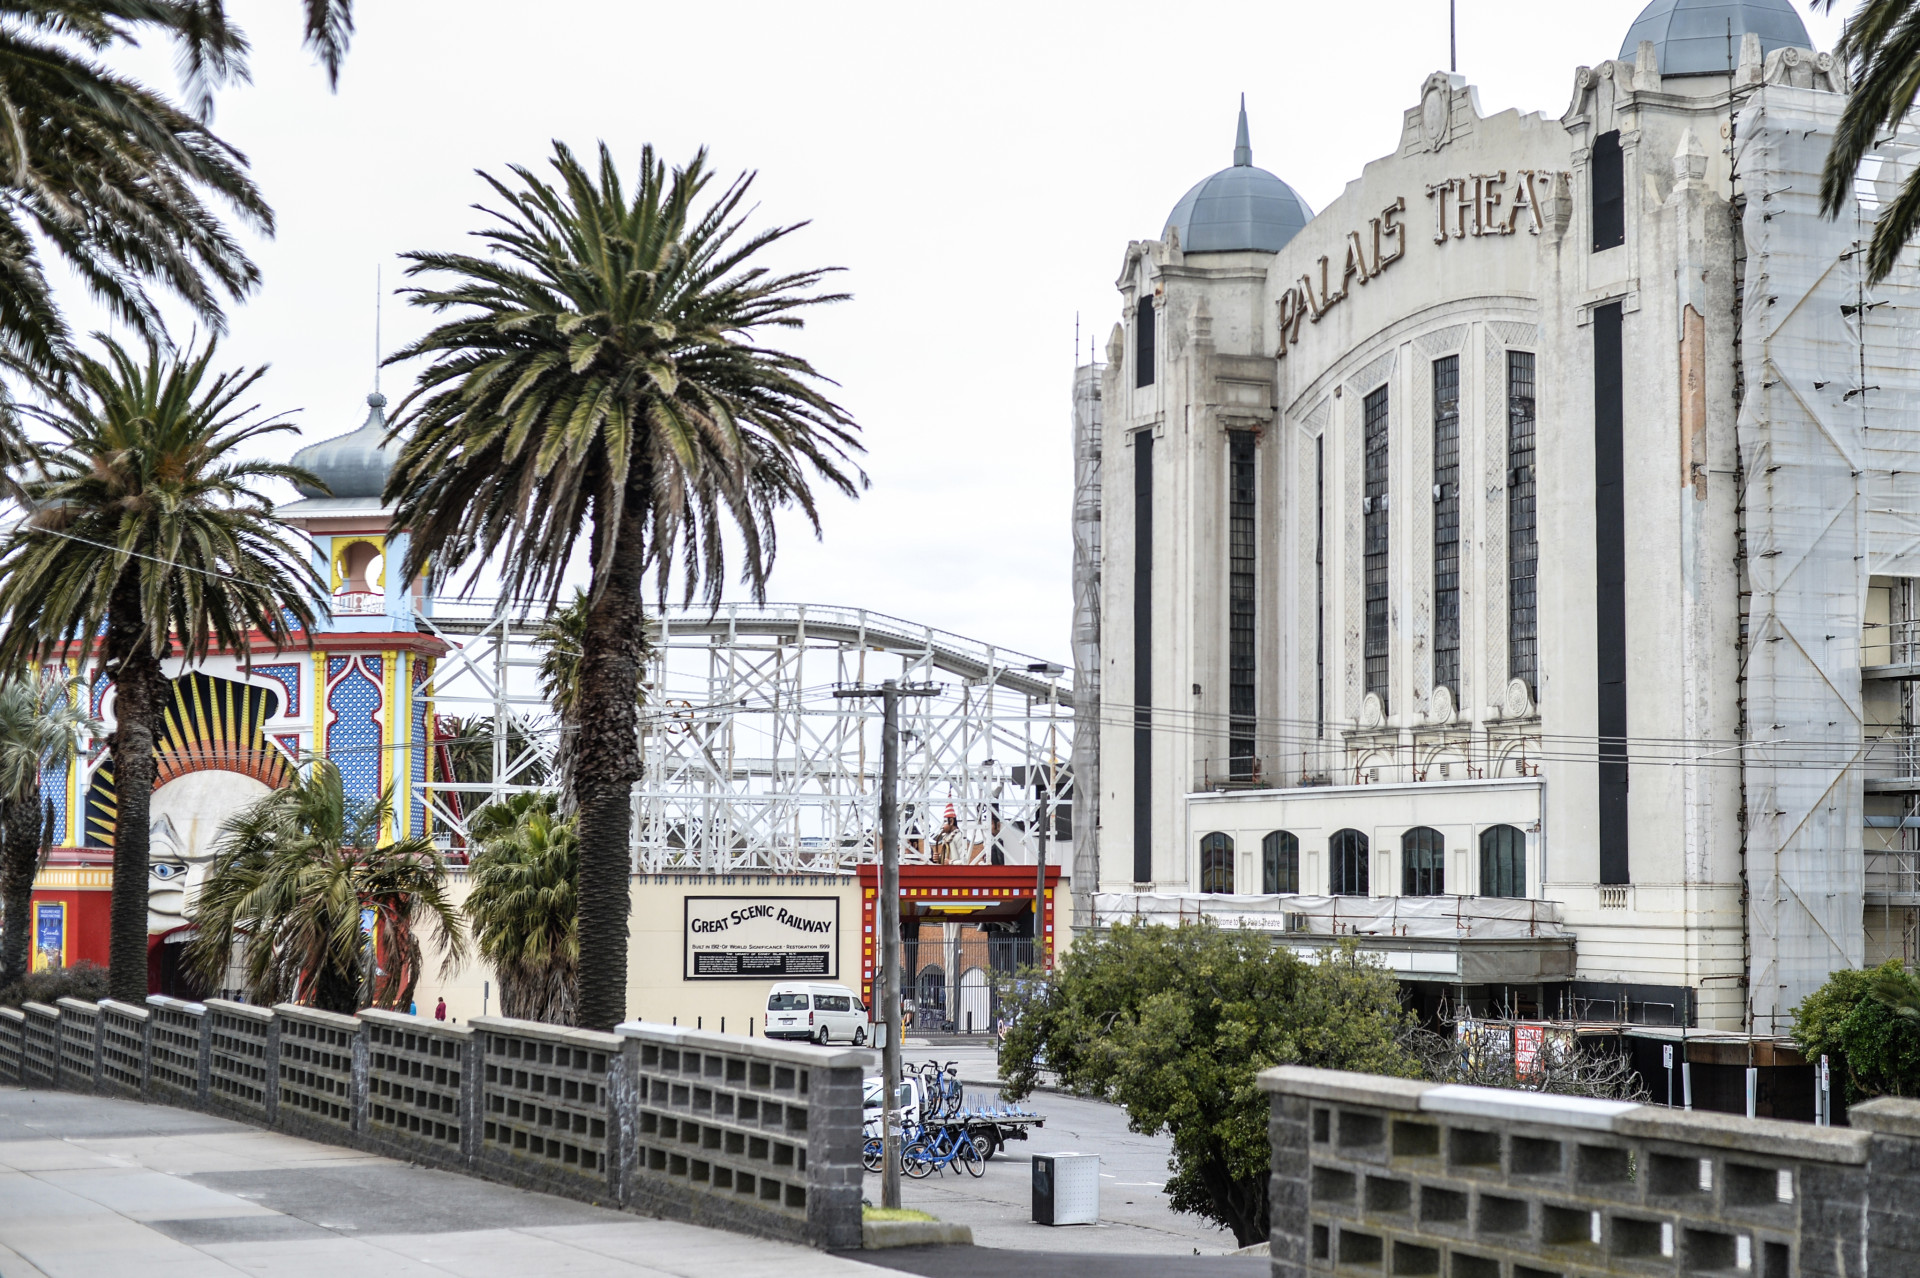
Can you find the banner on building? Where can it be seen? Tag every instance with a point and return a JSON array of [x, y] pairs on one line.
[[762, 938], [49, 934]]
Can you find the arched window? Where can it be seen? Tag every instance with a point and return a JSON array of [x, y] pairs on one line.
[[1347, 863], [1503, 861], [1280, 863], [1216, 863], [1423, 862]]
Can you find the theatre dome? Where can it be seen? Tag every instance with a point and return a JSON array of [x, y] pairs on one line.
[[1239, 208], [354, 464], [1690, 37]]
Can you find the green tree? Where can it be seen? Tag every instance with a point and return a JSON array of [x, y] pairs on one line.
[[605, 377], [292, 875], [1175, 1023], [1874, 1045], [523, 904], [146, 539], [43, 724], [563, 642], [1880, 47]]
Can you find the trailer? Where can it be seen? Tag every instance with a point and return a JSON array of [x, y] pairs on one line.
[[990, 1126]]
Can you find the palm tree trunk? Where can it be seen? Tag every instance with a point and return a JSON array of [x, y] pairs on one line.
[[606, 764], [139, 701], [19, 858]]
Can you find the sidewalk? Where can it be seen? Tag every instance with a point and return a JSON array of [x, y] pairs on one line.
[[98, 1188]]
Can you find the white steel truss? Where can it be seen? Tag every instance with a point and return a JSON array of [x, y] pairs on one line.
[[752, 764]]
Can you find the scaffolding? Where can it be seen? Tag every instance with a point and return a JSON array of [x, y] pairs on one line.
[[753, 766], [1087, 447], [1830, 494]]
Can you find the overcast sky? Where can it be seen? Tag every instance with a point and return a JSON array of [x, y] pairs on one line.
[[978, 170]]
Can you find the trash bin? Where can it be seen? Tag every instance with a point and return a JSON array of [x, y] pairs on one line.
[[1066, 1189]]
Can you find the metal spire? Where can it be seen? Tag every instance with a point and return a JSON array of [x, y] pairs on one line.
[[1242, 148]]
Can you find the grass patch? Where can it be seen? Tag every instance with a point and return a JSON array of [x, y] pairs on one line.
[[893, 1213]]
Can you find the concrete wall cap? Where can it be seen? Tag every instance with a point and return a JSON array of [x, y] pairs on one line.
[[250, 1011], [79, 1005], [13, 1013], [176, 1005], [124, 1009], [1769, 1136], [295, 1012], [39, 1009], [591, 1039], [1892, 1115], [413, 1024], [1525, 1107], [1345, 1087], [714, 1041]]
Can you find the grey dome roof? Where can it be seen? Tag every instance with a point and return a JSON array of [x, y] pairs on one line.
[[354, 464], [1238, 208], [1690, 36]]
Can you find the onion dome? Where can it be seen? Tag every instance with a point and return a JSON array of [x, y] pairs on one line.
[[1239, 208], [354, 464], [1691, 37]]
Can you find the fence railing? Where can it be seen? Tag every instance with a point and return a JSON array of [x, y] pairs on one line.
[[1388, 1176], [739, 1133]]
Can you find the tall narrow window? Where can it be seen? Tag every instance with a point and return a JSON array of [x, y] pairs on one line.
[[1446, 525], [1423, 862], [1523, 547], [1374, 512], [1608, 182], [1279, 863], [1143, 656], [1240, 578], [1503, 861], [1347, 863], [1143, 342], [1320, 586], [1610, 590], [1216, 863]]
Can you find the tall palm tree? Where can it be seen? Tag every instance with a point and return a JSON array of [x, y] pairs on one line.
[[43, 724], [605, 375], [1880, 47], [147, 539], [115, 181], [524, 904], [294, 874], [562, 639]]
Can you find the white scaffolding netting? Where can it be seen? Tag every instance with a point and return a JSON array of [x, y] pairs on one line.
[[1830, 443], [1433, 918]]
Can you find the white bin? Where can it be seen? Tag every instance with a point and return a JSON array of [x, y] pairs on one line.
[[1066, 1189]]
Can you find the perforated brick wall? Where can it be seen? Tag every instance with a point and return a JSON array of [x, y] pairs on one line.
[[545, 1098], [77, 1045], [175, 1064], [12, 1033], [240, 1041], [316, 1065], [40, 1046], [418, 1080], [123, 1048]]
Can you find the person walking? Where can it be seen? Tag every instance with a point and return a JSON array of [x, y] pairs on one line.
[[440, 1010]]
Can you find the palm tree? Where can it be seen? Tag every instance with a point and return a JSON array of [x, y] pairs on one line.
[[1880, 46], [523, 904], [43, 724], [604, 375], [147, 539], [562, 637], [293, 876], [116, 182]]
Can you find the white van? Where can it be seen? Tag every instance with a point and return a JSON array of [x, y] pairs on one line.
[[822, 1013]]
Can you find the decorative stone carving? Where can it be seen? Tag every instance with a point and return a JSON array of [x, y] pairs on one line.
[[1440, 707], [1372, 713], [1436, 110], [1518, 703]]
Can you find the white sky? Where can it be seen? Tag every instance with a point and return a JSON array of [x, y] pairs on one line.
[[977, 169]]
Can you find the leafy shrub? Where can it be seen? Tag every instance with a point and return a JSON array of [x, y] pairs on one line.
[[84, 981], [1174, 1023], [1876, 1050]]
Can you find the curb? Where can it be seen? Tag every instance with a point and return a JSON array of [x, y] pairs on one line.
[[878, 1235], [995, 1084]]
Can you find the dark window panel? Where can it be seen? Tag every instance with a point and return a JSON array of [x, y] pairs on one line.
[[1216, 863], [1523, 547], [1240, 602], [1423, 862], [1446, 525], [1143, 343], [1374, 547], [1608, 181], [1347, 863], [1279, 863], [1503, 861]]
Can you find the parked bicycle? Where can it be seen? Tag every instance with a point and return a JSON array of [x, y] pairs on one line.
[[941, 1147]]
